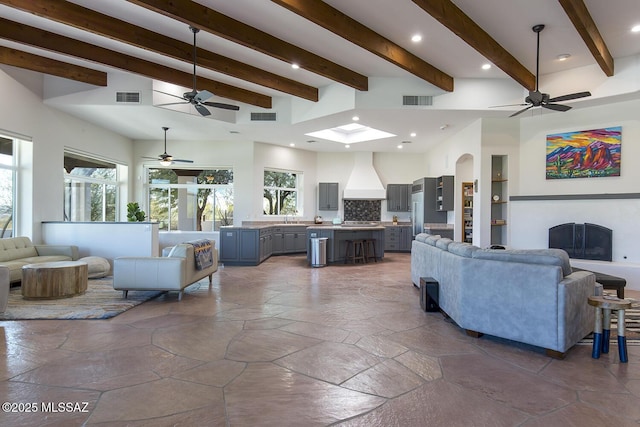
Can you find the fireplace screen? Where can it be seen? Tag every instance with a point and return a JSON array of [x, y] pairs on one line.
[[583, 241]]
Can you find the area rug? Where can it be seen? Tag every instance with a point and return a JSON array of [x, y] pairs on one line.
[[100, 301], [631, 328]]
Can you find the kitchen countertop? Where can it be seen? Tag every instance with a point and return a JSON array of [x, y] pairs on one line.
[[325, 225], [346, 227]]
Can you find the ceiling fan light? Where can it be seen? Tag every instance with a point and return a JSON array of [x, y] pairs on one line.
[[165, 162]]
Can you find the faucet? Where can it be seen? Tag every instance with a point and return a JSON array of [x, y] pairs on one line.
[[286, 219]]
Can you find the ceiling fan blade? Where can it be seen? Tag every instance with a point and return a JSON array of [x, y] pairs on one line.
[[556, 107], [182, 161], [521, 111], [203, 95], [570, 96], [150, 158], [221, 105], [202, 110]]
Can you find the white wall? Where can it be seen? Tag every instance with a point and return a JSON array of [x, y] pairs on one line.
[[51, 131], [237, 155], [530, 220], [392, 168]]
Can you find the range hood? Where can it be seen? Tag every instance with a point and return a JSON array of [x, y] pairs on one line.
[[364, 183]]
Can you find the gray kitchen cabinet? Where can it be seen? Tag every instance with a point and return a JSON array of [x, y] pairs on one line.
[[328, 196], [249, 249], [295, 241], [289, 240], [397, 238], [241, 246], [398, 197], [444, 193]]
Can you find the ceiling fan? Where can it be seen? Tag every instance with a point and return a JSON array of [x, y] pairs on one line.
[[544, 100], [164, 158], [195, 98]]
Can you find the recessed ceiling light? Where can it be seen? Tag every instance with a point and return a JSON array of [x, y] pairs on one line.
[[355, 118], [292, 145], [486, 66], [444, 126], [295, 66], [416, 38], [400, 146], [563, 56], [635, 28], [413, 134], [347, 146]]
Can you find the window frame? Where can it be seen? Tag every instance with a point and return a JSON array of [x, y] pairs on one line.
[[69, 180], [299, 177], [191, 189]]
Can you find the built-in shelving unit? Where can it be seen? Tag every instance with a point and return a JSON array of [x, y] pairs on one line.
[[444, 193], [499, 199], [467, 212]]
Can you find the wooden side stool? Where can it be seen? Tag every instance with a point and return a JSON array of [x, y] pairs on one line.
[[602, 331], [358, 251], [370, 250]]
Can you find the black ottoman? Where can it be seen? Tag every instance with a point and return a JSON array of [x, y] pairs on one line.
[[608, 282]]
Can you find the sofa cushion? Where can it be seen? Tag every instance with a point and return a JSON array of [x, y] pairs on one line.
[[557, 257], [462, 249], [443, 243], [16, 248], [421, 237], [431, 240]]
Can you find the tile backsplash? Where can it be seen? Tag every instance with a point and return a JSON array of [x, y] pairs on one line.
[[362, 210]]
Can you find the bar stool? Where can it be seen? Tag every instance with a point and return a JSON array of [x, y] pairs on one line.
[[602, 331], [370, 250], [358, 251]]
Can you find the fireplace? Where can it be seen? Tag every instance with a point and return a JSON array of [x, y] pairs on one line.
[[583, 241]]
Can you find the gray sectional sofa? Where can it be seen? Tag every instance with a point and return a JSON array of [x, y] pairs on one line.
[[529, 296]]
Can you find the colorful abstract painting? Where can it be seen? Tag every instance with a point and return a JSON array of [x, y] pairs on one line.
[[584, 154]]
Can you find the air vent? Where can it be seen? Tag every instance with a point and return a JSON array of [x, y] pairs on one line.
[[263, 117], [417, 100], [128, 97]]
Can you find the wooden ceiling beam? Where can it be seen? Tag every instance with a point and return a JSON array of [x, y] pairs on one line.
[[579, 15], [209, 20], [32, 36], [449, 15], [348, 28], [29, 61], [97, 23]]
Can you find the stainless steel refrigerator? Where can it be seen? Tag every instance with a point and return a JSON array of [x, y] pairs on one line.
[[423, 204]]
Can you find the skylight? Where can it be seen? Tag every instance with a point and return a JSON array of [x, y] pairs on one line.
[[350, 134]]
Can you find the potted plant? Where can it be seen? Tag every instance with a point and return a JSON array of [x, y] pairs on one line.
[[134, 213]]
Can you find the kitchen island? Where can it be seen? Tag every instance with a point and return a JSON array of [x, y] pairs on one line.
[[337, 236]]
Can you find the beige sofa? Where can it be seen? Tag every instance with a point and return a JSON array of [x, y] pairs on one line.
[[172, 273], [18, 251]]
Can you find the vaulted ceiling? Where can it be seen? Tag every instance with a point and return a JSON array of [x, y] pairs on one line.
[[354, 58]]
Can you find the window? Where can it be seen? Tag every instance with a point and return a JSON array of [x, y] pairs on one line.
[[190, 200], [281, 192], [7, 186], [90, 189]]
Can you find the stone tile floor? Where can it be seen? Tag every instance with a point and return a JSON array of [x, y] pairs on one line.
[[283, 344]]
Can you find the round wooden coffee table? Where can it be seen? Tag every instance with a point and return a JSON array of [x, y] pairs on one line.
[[51, 280]]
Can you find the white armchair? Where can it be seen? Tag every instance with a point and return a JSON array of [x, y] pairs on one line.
[[172, 273]]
